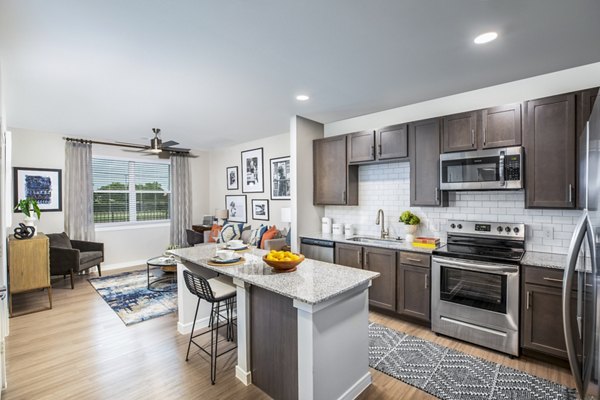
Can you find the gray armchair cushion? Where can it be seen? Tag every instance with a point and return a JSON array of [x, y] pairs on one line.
[[87, 256], [60, 240]]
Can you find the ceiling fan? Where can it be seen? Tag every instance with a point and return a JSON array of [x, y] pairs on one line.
[[158, 147]]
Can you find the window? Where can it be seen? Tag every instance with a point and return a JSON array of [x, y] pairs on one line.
[[130, 191]]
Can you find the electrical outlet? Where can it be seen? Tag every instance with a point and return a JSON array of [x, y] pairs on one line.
[[548, 232]]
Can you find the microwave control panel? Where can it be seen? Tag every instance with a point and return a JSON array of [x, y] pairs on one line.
[[512, 168]]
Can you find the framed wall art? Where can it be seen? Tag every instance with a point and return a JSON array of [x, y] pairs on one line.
[[280, 178], [236, 207], [42, 184], [232, 178], [260, 209], [253, 171]]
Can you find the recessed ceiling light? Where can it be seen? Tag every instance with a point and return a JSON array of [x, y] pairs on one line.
[[302, 97], [485, 37]]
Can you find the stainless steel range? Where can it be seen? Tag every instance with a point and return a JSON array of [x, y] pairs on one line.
[[475, 284]]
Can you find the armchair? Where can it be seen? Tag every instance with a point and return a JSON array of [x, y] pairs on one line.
[[70, 256]]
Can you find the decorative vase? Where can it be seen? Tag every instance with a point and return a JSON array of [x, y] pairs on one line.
[[410, 232], [30, 221]]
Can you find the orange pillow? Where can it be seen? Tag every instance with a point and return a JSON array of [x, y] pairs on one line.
[[214, 232], [268, 235]]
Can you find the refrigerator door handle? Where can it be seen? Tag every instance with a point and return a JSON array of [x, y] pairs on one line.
[[589, 359], [574, 248]]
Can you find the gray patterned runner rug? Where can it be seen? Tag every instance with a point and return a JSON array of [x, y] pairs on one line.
[[450, 374]]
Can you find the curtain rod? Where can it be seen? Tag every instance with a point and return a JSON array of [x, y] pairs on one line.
[[131, 146]]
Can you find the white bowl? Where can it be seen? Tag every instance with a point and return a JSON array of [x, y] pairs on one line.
[[235, 243], [225, 254]]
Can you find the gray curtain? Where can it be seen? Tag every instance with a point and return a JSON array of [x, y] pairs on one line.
[[79, 191], [181, 200]]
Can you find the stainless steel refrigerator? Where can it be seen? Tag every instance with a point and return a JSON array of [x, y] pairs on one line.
[[581, 302]]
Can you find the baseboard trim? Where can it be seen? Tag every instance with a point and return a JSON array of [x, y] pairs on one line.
[[244, 376], [358, 387], [121, 265], [185, 329]]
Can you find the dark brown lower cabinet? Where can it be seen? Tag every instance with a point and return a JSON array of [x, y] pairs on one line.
[[383, 288], [349, 255], [414, 292]]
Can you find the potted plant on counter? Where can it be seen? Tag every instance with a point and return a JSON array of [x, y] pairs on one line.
[[30, 208], [410, 221]]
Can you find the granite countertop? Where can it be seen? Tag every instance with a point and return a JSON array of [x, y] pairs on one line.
[[545, 260], [313, 282], [400, 245]]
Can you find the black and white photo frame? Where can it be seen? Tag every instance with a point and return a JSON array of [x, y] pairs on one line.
[[280, 178], [236, 208], [232, 178], [253, 171], [260, 209], [42, 184]]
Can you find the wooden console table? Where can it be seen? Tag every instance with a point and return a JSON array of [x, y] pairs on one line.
[[28, 267]]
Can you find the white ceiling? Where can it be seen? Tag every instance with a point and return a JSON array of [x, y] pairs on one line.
[[213, 73]]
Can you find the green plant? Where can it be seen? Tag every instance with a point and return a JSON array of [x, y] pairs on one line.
[[27, 205], [409, 218]]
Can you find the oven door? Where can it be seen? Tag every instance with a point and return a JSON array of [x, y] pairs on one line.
[[480, 292]]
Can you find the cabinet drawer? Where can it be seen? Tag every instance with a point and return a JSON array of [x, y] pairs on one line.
[[416, 259], [544, 276]]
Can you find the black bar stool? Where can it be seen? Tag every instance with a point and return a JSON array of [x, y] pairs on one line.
[[222, 296]]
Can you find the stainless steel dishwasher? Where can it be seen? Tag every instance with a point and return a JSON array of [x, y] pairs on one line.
[[318, 249]]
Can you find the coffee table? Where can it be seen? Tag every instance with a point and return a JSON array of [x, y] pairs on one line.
[[167, 265]]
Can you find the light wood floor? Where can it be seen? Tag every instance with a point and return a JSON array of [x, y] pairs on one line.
[[81, 350]]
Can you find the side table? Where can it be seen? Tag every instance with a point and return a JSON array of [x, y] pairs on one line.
[[167, 265]]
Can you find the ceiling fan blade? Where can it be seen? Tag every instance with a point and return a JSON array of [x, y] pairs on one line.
[[136, 151], [169, 143], [179, 149]]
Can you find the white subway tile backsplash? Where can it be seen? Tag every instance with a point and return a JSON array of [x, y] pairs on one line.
[[387, 186]]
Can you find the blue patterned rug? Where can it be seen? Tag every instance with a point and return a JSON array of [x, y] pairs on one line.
[[127, 295], [450, 374]]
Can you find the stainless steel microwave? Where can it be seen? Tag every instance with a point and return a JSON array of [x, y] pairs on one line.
[[493, 169]]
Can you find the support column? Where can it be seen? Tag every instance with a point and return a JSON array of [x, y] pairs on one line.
[[243, 369]]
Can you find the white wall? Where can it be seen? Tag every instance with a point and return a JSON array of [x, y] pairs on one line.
[[220, 159], [123, 246]]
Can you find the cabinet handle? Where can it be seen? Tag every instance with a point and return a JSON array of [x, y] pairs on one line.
[[366, 259], [380, 150], [358, 257], [344, 197], [373, 151], [472, 137], [484, 136], [570, 193], [426, 281], [413, 259], [553, 279], [528, 300], [437, 196]]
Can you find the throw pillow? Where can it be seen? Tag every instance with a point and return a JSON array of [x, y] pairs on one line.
[[231, 232], [256, 235], [271, 233], [214, 233]]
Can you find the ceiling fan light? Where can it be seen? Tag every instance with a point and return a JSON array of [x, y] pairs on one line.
[[155, 151]]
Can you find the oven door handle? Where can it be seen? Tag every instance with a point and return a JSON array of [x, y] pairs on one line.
[[474, 266]]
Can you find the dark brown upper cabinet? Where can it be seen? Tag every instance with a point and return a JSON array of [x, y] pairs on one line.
[[334, 181], [392, 142], [383, 289], [501, 126], [460, 132], [389, 143], [424, 139], [550, 152], [361, 146], [585, 103]]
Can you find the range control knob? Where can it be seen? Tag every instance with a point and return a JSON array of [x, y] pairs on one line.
[[459, 226], [507, 229], [499, 229], [516, 230], [452, 226]]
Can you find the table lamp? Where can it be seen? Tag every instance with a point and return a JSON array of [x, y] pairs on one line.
[[222, 215]]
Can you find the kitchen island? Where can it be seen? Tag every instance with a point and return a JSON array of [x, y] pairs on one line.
[[302, 334]]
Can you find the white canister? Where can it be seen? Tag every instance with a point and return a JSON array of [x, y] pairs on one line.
[[326, 225], [338, 229], [348, 231]]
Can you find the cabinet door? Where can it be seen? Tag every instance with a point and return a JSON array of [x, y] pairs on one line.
[[425, 164], [348, 255], [392, 142], [542, 320], [501, 126], [459, 132], [28, 263], [362, 146], [585, 104], [550, 152], [382, 292], [414, 292], [330, 171]]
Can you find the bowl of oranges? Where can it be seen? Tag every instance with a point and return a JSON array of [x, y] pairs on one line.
[[283, 261]]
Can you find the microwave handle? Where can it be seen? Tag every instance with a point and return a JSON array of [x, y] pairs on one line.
[[501, 168]]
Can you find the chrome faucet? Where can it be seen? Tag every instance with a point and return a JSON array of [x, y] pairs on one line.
[[381, 220]]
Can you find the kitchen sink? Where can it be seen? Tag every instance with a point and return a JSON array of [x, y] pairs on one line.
[[368, 239]]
